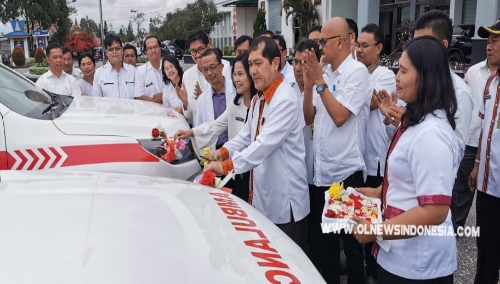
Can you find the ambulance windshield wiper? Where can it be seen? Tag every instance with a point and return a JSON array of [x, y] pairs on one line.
[[51, 107]]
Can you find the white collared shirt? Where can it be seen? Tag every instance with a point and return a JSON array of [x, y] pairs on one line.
[[86, 87], [377, 138], [148, 81], [66, 85], [110, 83], [421, 171], [287, 70], [489, 180], [338, 151], [193, 76], [476, 78], [277, 157], [170, 98], [76, 73], [463, 116]]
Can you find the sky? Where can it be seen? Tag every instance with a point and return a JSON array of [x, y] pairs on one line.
[[117, 12]]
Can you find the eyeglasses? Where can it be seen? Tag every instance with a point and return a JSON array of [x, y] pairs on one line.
[[322, 41], [114, 49], [152, 48], [211, 68], [198, 51], [168, 68], [365, 45]]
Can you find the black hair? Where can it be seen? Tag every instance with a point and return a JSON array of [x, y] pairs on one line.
[[129, 46], [83, 55], [439, 22], [281, 41], [148, 37], [170, 58], [270, 50], [377, 32], [52, 46], [353, 27], [66, 49], [242, 39], [216, 51], [308, 44], [243, 58], [435, 86], [267, 32], [198, 35], [315, 28], [109, 39]]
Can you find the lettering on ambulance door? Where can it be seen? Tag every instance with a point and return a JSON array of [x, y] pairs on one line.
[[3, 149]]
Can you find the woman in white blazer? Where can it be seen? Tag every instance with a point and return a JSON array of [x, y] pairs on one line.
[[172, 77], [232, 120]]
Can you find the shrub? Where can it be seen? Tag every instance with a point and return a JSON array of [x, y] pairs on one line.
[[80, 42], [18, 56], [228, 51], [39, 55]]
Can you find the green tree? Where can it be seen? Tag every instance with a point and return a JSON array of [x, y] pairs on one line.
[[303, 12], [121, 34], [130, 32], [259, 25]]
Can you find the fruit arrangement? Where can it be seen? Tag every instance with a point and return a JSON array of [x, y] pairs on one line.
[[344, 205]]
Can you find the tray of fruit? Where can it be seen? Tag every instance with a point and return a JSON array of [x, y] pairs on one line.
[[342, 204]]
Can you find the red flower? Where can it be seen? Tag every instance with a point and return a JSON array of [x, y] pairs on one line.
[[208, 178], [155, 133]]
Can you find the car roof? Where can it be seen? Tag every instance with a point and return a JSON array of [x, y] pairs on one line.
[[108, 228]]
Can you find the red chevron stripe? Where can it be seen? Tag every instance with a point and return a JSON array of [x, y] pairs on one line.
[[23, 160], [6, 160], [58, 157], [46, 158], [35, 159]]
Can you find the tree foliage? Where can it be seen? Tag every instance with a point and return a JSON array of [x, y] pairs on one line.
[[80, 42], [259, 25], [303, 12], [138, 18], [129, 36], [89, 26]]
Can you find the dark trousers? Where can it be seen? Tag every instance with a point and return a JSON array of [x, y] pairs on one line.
[[385, 277], [324, 249], [297, 231], [371, 265], [462, 196], [240, 185], [488, 241]]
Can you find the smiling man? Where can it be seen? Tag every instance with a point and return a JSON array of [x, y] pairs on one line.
[[68, 64], [271, 146], [149, 77]]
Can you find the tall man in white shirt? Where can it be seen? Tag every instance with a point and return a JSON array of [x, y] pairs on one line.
[[285, 68], [193, 81], [368, 49], [485, 177], [149, 77], [68, 64], [271, 146], [339, 109], [116, 78], [56, 80]]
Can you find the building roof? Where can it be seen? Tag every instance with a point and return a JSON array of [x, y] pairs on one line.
[[17, 34], [240, 3]]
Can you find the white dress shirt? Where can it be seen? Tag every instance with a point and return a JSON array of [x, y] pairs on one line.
[[421, 170], [76, 73], [66, 85], [377, 136], [287, 70], [110, 83], [277, 156], [86, 87], [148, 81], [338, 151], [476, 78], [205, 108], [463, 116], [170, 98], [488, 180], [193, 76]]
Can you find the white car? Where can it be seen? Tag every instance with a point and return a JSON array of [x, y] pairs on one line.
[[41, 130], [79, 227]]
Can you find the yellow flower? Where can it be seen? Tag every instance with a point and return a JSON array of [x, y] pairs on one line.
[[335, 191]]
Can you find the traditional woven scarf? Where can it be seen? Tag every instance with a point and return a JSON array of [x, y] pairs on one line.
[[373, 66]]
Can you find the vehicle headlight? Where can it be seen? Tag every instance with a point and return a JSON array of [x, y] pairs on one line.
[[156, 147]]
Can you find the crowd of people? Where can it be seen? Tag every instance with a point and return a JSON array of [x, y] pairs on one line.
[[423, 140]]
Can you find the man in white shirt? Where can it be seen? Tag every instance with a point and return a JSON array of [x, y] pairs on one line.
[[353, 36], [56, 80], [339, 109], [271, 146], [485, 177], [368, 49], [116, 78], [193, 81], [476, 78], [213, 101], [285, 68], [149, 77], [68, 64]]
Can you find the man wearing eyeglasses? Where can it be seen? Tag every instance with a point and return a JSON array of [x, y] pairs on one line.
[[339, 108], [193, 81], [213, 101], [149, 77], [116, 78], [368, 49]]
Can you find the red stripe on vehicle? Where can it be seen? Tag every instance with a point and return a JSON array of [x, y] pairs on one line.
[[23, 159], [34, 161], [56, 160], [6, 160], [46, 158], [109, 153]]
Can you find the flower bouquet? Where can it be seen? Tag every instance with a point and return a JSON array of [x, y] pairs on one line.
[[172, 149], [209, 179]]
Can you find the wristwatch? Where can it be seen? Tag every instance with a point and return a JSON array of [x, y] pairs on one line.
[[320, 88]]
